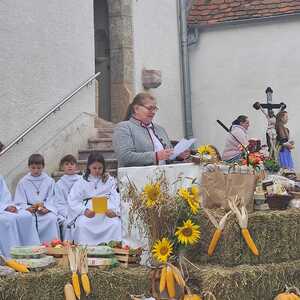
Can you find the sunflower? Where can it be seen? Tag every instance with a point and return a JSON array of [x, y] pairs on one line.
[[206, 150], [192, 197], [189, 233], [184, 193], [194, 203], [162, 249], [151, 194]]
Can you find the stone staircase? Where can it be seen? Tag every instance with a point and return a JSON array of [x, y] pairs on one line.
[[102, 142]]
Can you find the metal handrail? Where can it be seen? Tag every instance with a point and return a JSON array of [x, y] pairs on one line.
[[45, 116]]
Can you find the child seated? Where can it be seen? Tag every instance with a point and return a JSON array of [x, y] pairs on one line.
[[34, 193], [9, 236], [90, 228], [62, 189]]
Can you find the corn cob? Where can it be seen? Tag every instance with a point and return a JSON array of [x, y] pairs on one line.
[[170, 283], [86, 283], [218, 232], [178, 276], [248, 239], [73, 259], [76, 286], [242, 216], [69, 292], [162, 282], [83, 265], [16, 266]]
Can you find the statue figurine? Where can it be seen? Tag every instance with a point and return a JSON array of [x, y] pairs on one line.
[[271, 132]]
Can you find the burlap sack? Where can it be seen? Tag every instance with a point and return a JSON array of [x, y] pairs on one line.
[[219, 187]]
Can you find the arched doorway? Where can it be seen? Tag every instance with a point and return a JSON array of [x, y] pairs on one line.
[[102, 58], [114, 56]]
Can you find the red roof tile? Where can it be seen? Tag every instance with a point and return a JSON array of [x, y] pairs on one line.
[[205, 12]]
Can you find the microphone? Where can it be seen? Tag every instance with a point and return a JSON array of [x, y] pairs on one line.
[[222, 124]]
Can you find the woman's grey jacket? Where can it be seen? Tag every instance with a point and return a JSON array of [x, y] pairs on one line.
[[133, 144]]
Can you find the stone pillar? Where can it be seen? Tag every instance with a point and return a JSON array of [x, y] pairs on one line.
[[121, 56]]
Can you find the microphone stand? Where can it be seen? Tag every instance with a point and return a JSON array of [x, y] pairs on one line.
[[228, 130]]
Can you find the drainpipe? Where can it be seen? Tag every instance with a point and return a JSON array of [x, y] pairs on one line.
[[185, 68]]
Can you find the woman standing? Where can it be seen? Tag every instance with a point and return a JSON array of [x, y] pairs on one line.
[[284, 145], [233, 150], [138, 141]]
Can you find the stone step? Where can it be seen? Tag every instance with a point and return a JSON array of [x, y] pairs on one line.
[[105, 132], [107, 153], [98, 143], [111, 163]]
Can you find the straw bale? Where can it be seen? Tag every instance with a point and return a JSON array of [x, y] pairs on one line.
[[49, 284], [276, 234], [246, 282]]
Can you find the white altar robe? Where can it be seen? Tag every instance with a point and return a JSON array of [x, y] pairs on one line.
[[62, 189], [9, 236], [92, 231], [33, 189]]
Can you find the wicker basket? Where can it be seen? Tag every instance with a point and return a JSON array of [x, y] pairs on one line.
[[278, 202]]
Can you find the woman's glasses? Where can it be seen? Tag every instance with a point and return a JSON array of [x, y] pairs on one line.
[[151, 108]]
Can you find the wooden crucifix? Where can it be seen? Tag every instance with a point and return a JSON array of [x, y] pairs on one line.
[[271, 118]]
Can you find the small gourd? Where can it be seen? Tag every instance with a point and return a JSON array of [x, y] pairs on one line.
[[69, 292], [290, 294], [192, 297]]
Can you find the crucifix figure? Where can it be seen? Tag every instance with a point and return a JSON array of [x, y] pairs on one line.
[[271, 118]]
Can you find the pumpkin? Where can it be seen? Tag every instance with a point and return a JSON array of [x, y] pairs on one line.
[[192, 297], [290, 294]]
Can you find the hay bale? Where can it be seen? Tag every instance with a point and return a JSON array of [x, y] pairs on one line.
[[246, 282], [276, 234], [49, 284]]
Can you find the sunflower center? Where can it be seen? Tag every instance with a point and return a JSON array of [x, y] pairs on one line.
[[187, 231], [164, 250]]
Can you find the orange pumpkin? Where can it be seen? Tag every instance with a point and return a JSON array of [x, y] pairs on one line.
[[290, 294], [192, 297]]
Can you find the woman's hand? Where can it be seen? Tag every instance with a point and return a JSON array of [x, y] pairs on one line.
[[42, 210], [164, 154], [11, 209], [89, 213], [184, 155], [111, 214]]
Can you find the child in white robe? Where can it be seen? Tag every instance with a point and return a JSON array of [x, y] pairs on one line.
[[26, 228], [34, 193], [9, 236], [90, 228], [62, 189]]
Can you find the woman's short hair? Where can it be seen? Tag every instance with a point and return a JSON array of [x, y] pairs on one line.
[[137, 100]]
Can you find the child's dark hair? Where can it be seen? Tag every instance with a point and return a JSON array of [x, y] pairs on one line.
[[36, 159], [69, 158], [94, 156]]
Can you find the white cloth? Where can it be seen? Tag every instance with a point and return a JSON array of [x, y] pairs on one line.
[[34, 189], [62, 189], [157, 143], [92, 231], [9, 236]]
